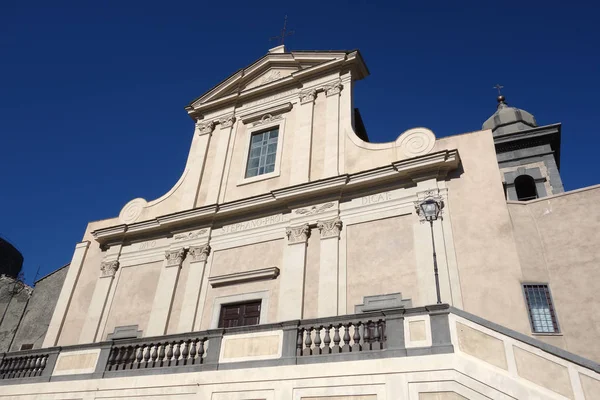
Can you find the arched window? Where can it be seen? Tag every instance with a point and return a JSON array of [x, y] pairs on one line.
[[525, 187]]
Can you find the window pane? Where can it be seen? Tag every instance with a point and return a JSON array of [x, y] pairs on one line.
[[263, 152], [541, 310]]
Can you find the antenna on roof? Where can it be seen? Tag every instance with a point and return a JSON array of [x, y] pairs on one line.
[[284, 33]]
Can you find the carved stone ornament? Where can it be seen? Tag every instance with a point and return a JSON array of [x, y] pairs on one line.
[[307, 96], [189, 235], [314, 209], [297, 234], [205, 127], [428, 195], [227, 121], [330, 228], [174, 257], [199, 253], [267, 118], [109, 268], [333, 88]]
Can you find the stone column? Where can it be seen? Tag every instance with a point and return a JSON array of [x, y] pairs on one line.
[[218, 167], [97, 306], [66, 294], [195, 163], [302, 142], [291, 287], [327, 303], [165, 291], [332, 139], [198, 256]]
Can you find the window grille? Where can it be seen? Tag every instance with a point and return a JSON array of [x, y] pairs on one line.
[[263, 150], [541, 309]]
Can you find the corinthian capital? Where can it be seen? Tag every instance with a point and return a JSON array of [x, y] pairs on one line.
[[307, 96], [333, 88], [174, 258], [199, 253], [297, 234], [330, 228], [109, 268], [227, 121], [205, 127]]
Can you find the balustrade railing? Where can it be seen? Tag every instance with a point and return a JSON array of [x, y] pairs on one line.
[[23, 366], [157, 354], [341, 337]]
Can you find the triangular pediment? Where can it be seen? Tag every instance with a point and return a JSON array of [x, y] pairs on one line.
[[268, 70]]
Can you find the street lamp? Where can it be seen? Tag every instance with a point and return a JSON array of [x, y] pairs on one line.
[[430, 210]]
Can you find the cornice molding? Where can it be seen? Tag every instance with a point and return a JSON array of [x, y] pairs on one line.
[[273, 111], [433, 165], [245, 276]]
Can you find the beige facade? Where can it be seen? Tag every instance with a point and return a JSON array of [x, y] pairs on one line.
[[332, 223]]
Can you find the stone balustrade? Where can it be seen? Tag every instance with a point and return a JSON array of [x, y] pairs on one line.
[[351, 337]]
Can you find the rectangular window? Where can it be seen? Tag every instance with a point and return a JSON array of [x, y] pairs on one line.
[[240, 314], [26, 346], [262, 153], [541, 309]]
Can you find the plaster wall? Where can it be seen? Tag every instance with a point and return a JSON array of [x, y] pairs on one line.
[[484, 243], [557, 244], [381, 259], [311, 276], [133, 297], [317, 154], [13, 300], [204, 183], [175, 312]]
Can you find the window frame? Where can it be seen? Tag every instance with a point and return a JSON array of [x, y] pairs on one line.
[[239, 304], [257, 128], [218, 302], [558, 331]]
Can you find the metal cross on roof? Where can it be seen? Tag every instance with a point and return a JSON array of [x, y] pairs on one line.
[[284, 33], [498, 87]]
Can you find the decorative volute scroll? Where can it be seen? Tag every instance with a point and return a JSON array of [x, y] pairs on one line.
[[227, 121], [174, 257], [205, 127], [109, 268], [199, 253], [297, 234], [308, 95], [330, 228], [333, 88]]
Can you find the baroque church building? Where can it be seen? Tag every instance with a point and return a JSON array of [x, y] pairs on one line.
[[295, 259]]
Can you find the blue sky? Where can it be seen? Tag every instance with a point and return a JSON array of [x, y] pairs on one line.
[[92, 93]]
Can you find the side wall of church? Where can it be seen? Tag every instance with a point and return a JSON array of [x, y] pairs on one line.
[[557, 243]]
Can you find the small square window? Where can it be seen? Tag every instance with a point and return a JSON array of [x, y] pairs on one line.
[[240, 314], [541, 309], [26, 346], [263, 152]]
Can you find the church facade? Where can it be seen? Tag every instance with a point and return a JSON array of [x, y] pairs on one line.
[[295, 259]]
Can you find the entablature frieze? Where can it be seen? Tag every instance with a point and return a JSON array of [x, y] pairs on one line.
[[437, 164]]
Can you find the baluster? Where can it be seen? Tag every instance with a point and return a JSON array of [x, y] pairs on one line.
[[356, 337], [201, 351], [177, 352], [346, 347], [154, 354], [30, 365], [299, 341], [139, 355], [307, 342], [38, 366], [161, 354], [383, 334], [43, 364], [185, 352], [3, 368], [170, 354], [336, 340], [327, 341], [111, 358], [193, 351], [15, 369], [317, 349], [377, 339], [367, 336], [147, 351], [18, 367], [120, 357]]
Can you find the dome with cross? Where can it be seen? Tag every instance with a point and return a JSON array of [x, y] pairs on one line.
[[509, 119]]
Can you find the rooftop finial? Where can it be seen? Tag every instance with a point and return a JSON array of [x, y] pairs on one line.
[[501, 99], [284, 33]]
